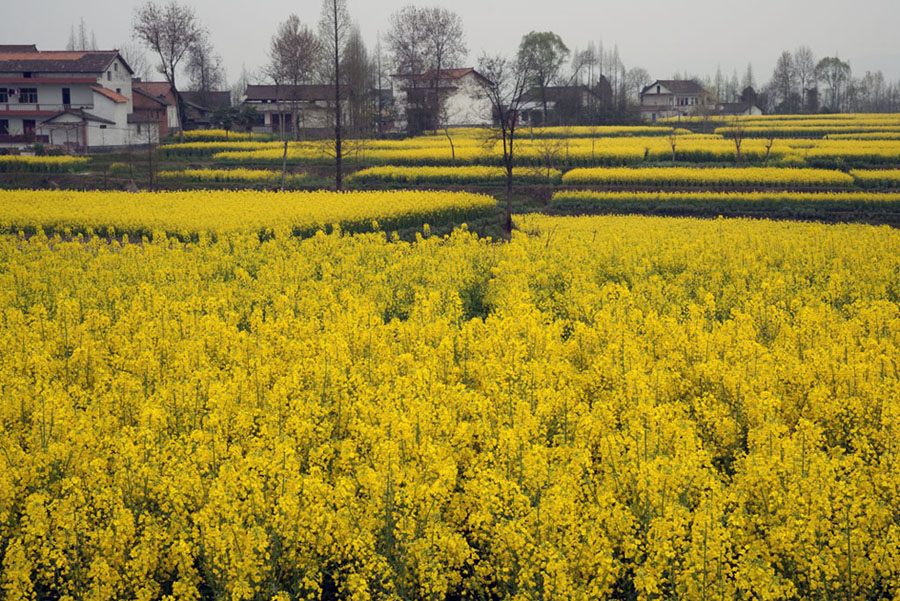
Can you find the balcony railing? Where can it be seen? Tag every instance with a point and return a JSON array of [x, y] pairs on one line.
[[41, 107], [23, 139]]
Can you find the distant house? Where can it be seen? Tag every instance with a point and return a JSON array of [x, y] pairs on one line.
[[460, 91], [200, 106], [733, 109], [302, 109], [664, 99], [150, 115], [162, 91], [566, 105], [79, 99]]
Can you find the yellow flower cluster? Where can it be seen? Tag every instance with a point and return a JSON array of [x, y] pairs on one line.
[[41, 164], [754, 130], [601, 408], [877, 178], [188, 149], [188, 214], [214, 135], [887, 135], [623, 150], [253, 176], [451, 175], [698, 176]]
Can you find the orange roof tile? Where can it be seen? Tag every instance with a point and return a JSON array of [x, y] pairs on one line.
[[114, 96]]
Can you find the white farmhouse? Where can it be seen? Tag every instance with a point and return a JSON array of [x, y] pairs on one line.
[[461, 95], [80, 99], [664, 99]]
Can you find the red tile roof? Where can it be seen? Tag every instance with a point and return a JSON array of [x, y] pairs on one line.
[[114, 96]]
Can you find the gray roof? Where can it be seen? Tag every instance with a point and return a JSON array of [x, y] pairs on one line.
[[677, 86], [310, 93], [18, 48], [207, 100], [59, 61]]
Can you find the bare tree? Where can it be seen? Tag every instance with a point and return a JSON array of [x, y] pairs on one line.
[[334, 31], [79, 39], [358, 80], [805, 71], [170, 31], [737, 132], [136, 58], [424, 43], [504, 86], [784, 84], [204, 67]]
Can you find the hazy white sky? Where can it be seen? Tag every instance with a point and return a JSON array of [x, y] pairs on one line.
[[663, 36]]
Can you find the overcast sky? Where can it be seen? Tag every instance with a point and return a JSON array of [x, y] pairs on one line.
[[662, 36]]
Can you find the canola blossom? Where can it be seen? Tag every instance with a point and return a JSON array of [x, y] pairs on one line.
[[54, 164], [877, 178], [214, 135], [608, 407], [569, 152], [250, 176], [451, 175], [698, 176], [188, 213]]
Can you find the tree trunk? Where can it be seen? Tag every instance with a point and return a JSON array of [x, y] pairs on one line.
[[338, 179], [284, 164], [452, 147]]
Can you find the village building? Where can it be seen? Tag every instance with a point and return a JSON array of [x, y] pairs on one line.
[[200, 106], [305, 110], [79, 99], [458, 96], [735, 109], [161, 91], [666, 99], [566, 105]]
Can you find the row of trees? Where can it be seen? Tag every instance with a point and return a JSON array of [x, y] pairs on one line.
[[801, 83]]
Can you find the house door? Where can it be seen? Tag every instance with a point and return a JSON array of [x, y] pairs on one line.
[[28, 127], [67, 97]]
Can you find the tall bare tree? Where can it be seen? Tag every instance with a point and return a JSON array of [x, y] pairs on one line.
[[805, 70], [504, 86], [784, 84], [79, 38], [358, 75], [424, 43], [334, 31], [204, 68], [170, 31], [136, 58]]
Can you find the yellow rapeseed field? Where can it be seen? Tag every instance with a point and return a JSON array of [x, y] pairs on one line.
[[601, 408], [187, 214], [698, 176]]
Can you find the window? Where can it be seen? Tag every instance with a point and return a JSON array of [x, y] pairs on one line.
[[109, 76], [118, 90], [27, 74], [4, 97], [4, 127], [116, 67], [28, 96]]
